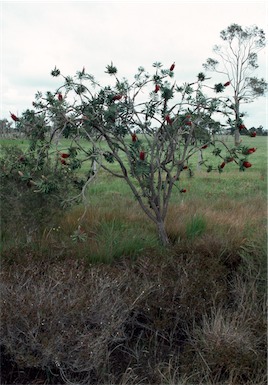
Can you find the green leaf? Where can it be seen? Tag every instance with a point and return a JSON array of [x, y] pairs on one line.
[[209, 168], [111, 69], [167, 93], [55, 72], [201, 76], [157, 64], [219, 87], [216, 151]]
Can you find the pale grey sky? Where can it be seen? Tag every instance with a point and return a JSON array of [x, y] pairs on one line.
[[36, 36]]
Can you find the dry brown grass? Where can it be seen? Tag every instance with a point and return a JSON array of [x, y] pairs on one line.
[[231, 221], [181, 318]]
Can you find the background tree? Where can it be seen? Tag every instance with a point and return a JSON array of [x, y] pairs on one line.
[[6, 129], [259, 130], [149, 128], [237, 62]]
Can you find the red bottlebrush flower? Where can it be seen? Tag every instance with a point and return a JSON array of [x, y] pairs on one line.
[[227, 84], [205, 146], [253, 134], [183, 190], [168, 119], [117, 97], [142, 155], [251, 150], [246, 164], [222, 165], [64, 155], [185, 167], [21, 158], [63, 161], [228, 160], [172, 67], [134, 137], [60, 97], [241, 127], [157, 88], [14, 117], [188, 123]]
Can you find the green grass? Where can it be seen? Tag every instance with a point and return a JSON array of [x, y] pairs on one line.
[[196, 226], [231, 204]]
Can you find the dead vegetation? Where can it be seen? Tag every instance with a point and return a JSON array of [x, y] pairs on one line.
[[189, 316]]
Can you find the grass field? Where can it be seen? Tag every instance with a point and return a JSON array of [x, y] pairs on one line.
[[232, 200], [112, 306]]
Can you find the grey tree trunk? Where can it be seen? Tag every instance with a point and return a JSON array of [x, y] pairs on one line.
[[237, 121], [162, 233], [237, 137]]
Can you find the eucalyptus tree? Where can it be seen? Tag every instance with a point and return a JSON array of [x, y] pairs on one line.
[[237, 61]]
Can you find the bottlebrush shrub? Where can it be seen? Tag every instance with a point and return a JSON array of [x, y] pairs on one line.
[[172, 122], [34, 188]]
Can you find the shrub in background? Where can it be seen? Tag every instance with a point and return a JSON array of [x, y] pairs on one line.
[[34, 189]]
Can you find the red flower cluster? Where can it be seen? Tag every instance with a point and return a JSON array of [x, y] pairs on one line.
[[134, 137], [183, 190], [21, 158], [241, 127], [142, 155], [60, 97], [251, 150], [188, 121], [64, 155], [227, 84], [205, 146], [157, 88], [253, 134], [172, 67], [117, 97], [222, 165], [246, 164], [14, 117], [168, 120]]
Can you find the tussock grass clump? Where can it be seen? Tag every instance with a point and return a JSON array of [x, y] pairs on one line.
[[224, 345], [195, 227]]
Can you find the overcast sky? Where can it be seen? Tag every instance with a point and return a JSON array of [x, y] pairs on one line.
[[36, 36]]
